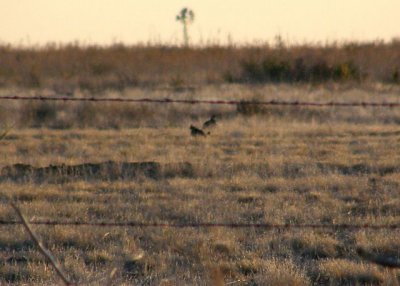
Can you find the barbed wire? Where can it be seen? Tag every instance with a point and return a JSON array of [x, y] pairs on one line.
[[204, 225], [203, 101]]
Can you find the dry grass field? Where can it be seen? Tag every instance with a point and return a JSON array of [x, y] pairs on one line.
[[98, 68], [269, 165]]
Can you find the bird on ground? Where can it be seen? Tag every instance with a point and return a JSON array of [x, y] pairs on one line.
[[194, 131], [210, 122], [389, 261]]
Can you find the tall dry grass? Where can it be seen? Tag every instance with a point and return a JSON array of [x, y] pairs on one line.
[[270, 165], [250, 170], [96, 68], [70, 115]]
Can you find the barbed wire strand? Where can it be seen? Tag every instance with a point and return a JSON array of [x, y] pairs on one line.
[[201, 101], [204, 225]]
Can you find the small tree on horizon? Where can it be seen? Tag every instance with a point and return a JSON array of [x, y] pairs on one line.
[[186, 17]]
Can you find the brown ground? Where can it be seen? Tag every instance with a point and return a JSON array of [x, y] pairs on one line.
[[278, 165]]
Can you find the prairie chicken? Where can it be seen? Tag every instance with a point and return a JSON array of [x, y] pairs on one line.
[[210, 122], [194, 131]]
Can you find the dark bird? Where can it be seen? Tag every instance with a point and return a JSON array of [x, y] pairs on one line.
[[210, 122], [380, 259], [194, 131]]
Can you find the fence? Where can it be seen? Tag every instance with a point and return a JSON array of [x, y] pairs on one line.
[[201, 101], [265, 226], [382, 260]]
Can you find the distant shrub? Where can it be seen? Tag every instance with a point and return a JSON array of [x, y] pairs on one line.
[[269, 70], [346, 71], [177, 83], [276, 71], [273, 70], [395, 76], [98, 68], [38, 114], [45, 112], [229, 77], [31, 78], [319, 71], [249, 108]]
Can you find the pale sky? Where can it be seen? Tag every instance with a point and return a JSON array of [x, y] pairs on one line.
[[31, 22]]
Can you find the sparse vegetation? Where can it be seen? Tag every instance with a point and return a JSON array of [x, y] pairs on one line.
[[73, 68], [270, 165], [258, 164], [270, 70]]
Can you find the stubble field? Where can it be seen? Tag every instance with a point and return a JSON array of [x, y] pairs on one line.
[[275, 165]]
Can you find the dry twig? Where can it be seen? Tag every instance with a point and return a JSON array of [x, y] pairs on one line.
[[46, 253]]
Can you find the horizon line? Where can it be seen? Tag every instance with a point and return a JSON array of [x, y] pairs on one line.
[[201, 44]]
